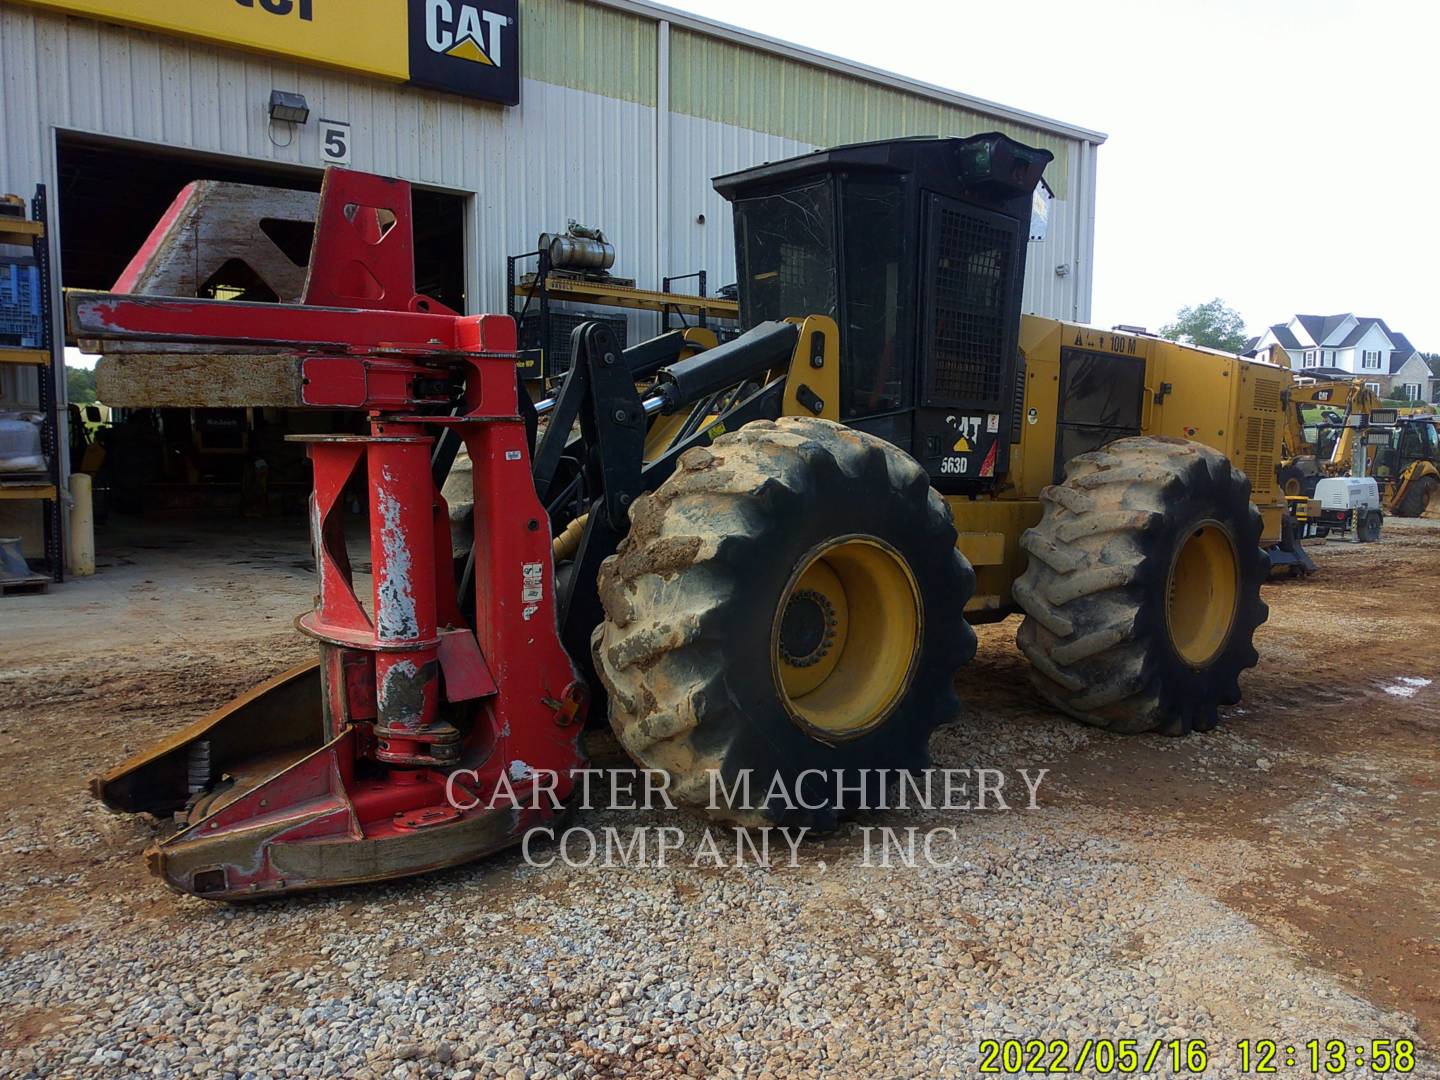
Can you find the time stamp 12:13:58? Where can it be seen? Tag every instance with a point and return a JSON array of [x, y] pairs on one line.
[[1331, 1057], [1193, 1057]]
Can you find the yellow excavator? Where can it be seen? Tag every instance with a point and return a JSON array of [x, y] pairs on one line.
[[1318, 439]]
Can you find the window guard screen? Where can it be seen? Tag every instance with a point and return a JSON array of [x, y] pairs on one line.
[[971, 311]]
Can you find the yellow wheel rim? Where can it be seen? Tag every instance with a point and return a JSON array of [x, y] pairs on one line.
[[846, 636], [1292, 486], [1203, 591]]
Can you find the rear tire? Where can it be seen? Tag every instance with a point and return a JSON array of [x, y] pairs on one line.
[[1142, 593], [1367, 529], [1418, 498], [790, 599]]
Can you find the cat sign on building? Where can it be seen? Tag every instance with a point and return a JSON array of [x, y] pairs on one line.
[[456, 46]]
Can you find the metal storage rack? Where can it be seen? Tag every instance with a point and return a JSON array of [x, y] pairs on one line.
[[548, 284], [32, 234]]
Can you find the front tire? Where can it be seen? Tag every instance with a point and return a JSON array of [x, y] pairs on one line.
[[1294, 481], [1142, 593], [789, 602]]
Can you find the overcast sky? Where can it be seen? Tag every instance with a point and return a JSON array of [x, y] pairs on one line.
[[1281, 154]]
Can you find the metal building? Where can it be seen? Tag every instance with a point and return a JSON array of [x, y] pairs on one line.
[[625, 111]]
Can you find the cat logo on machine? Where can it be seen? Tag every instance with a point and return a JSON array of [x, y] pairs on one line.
[[467, 48], [967, 431]]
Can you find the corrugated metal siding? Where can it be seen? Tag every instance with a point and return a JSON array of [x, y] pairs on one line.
[[589, 47], [717, 80], [1046, 291]]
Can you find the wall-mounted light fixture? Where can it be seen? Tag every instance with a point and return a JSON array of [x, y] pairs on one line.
[[291, 108]]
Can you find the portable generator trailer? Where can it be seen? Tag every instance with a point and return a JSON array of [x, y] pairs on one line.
[[1348, 507], [769, 551]]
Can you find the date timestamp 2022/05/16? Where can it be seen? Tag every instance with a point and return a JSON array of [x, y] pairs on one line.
[[1192, 1057]]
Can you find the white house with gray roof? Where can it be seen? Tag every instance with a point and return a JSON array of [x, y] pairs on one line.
[[1347, 346], [1418, 379]]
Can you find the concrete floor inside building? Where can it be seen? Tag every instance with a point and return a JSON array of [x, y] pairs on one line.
[[168, 585]]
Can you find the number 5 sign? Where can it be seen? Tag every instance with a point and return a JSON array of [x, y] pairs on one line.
[[335, 142]]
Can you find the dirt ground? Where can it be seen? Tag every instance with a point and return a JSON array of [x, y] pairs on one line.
[[1338, 812], [1306, 824]]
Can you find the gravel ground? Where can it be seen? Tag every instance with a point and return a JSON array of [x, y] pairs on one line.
[[1276, 879]]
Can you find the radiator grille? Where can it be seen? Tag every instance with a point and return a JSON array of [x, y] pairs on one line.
[[1266, 395], [1259, 455], [972, 275]]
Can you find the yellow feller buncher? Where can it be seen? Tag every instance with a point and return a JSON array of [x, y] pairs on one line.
[[769, 552], [788, 597]]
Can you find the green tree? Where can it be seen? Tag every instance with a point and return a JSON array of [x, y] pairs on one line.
[[1213, 324], [79, 385]]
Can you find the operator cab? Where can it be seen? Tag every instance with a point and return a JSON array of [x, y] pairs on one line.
[[1412, 439], [916, 248]]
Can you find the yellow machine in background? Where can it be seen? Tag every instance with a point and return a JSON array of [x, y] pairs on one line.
[[1315, 448], [1406, 467]]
